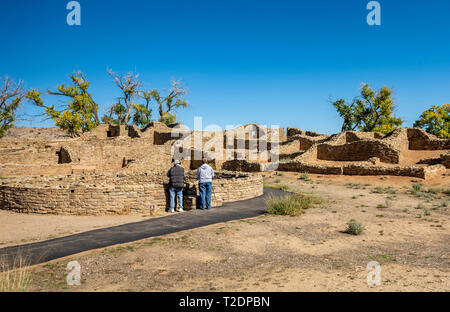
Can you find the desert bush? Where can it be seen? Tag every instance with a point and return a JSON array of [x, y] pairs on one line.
[[384, 190], [419, 206], [354, 227], [304, 176], [291, 205], [356, 186], [417, 187]]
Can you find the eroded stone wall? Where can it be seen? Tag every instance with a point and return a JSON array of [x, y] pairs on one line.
[[420, 140], [358, 151], [112, 193]]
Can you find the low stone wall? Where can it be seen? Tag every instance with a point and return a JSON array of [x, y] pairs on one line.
[[112, 193], [420, 140], [445, 158], [353, 136], [398, 139], [309, 168], [289, 147], [358, 151], [241, 165], [417, 172]]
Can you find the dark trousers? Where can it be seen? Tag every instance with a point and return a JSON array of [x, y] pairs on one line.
[[205, 195]]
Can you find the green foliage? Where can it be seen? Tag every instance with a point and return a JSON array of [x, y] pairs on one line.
[[168, 118], [384, 190], [115, 114], [142, 112], [304, 176], [371, 111], [142, 115], [354, 227], [291, 205], [168, 104], [80, 112], [11, 95], [436, 120]]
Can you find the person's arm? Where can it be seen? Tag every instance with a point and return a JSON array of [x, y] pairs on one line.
[[168, 173]]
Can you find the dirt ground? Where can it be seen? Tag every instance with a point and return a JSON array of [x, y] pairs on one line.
[[407, 234], [36, 133]]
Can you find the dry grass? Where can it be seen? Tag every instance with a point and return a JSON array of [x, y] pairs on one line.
[[14, 279], [291, 205]]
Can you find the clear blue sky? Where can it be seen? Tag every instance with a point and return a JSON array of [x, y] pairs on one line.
[[269, 62]]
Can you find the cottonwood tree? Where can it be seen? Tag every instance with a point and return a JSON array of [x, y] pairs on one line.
[[130, 86], [436, 120], [169, 103], [371, 111], [142, 116], [80, 114], [115, 114], [11, 95]]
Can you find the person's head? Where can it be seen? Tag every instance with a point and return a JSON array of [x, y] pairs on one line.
[[176, 162], [204, 160]]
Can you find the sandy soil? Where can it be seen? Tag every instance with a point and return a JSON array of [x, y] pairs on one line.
[[36, 133], [407, 234]]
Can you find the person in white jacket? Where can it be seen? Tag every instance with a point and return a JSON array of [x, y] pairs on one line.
[[205, 174]]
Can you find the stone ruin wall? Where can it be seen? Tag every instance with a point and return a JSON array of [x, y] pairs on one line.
[[131, 153], [445, 158], [367, 149], [113, 193], [420, 140], [359, 151]]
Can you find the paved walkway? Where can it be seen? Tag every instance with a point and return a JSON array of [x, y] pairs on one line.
[[44, 251]]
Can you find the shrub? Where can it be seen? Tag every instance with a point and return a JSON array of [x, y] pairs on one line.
[[417, 187], [354, 227], [291, 205], [304, 176], [382, 190]]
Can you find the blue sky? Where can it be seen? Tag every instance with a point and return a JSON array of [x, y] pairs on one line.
[[269, 62]]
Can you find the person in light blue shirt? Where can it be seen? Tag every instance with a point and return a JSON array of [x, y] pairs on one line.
[[205, 174]]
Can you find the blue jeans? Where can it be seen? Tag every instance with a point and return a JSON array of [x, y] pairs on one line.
[[179, 192], [205, 195]]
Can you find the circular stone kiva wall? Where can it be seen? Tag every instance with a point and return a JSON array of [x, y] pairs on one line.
[[102, 194]]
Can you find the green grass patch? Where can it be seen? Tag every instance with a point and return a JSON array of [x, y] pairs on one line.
[[304, 176], [384, 190], [291, 205]]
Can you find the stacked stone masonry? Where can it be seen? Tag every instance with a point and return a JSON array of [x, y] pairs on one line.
[[117, 170]]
